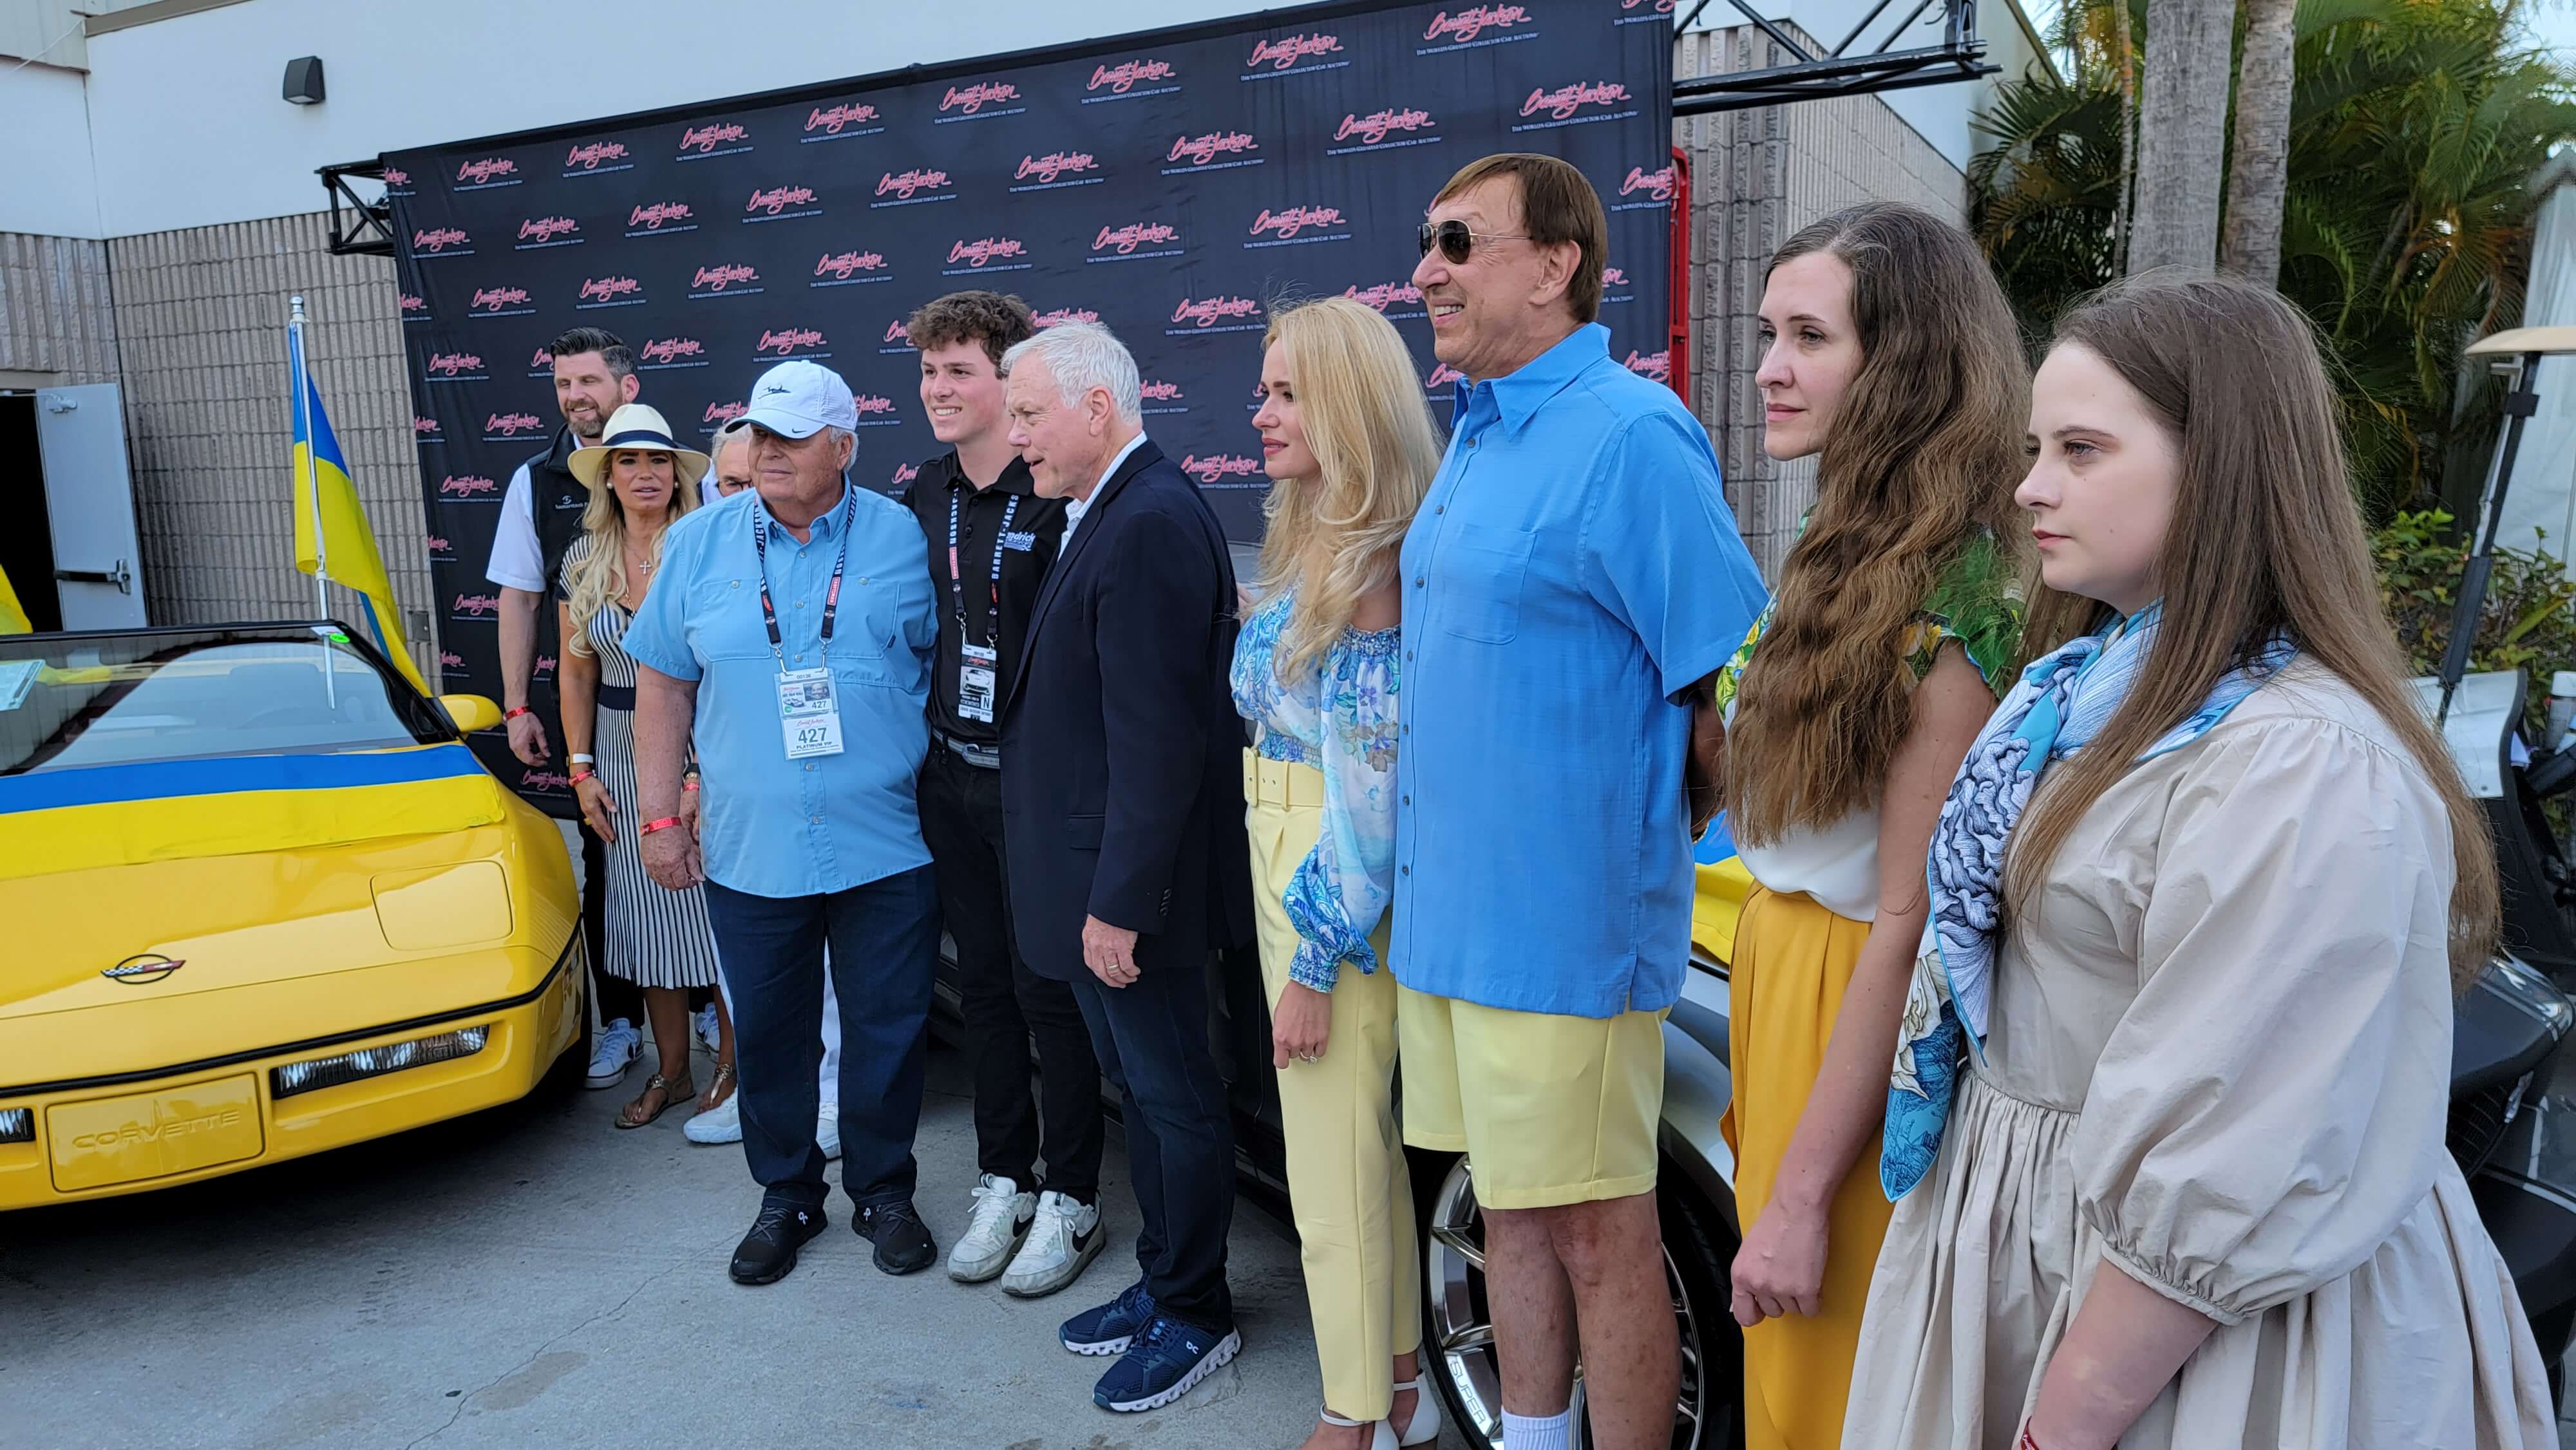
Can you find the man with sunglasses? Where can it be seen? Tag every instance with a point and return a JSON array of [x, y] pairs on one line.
[[1571, 580]]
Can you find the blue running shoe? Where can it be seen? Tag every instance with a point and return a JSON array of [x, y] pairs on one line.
[[1167, 1358], [1110, 1328]]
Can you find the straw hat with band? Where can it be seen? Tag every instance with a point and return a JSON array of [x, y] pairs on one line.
[[638, 427]]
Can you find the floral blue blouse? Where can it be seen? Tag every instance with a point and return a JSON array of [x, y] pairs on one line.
[[1340, 719]]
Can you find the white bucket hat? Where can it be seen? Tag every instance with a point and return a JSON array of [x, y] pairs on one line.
[[638, 427]]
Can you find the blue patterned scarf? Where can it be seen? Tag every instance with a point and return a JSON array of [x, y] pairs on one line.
[[2061, 702]]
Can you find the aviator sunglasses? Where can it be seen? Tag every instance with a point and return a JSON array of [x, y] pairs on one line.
[[1455, 241]]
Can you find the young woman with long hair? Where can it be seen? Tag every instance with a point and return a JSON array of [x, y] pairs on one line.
[[640, 483], [1892, 358], [2166, 1125], [1348, 444]]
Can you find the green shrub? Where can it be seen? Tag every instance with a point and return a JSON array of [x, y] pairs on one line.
[[2529, 622]]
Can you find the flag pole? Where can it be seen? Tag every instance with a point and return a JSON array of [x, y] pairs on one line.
[[303, 389]]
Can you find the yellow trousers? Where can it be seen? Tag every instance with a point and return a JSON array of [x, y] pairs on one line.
[[1793, 960], [1347, 1184]]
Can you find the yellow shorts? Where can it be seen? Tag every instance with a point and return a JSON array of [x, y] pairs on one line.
[[1549, 1110]]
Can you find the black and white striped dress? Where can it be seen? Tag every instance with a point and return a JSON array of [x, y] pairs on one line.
[[656, 937]]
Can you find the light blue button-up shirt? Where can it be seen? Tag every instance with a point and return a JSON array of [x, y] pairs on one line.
[[775, 826], [1573, 571]]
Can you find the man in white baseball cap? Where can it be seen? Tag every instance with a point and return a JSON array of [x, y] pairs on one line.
[[790, 638]]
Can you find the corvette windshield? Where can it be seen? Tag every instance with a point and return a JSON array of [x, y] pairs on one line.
[[71, 703]]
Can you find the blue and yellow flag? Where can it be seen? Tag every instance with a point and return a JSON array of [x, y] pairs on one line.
[[344, 548], [13, 619]]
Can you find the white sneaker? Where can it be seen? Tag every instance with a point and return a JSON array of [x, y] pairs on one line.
[[827, 1131], [705, 1023], [1063, 1240], [613, 1050], [1001, 1218], [718, 1124]]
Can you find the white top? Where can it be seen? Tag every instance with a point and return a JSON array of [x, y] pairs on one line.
[[1837, 864], [1075, 508], [517, 562]]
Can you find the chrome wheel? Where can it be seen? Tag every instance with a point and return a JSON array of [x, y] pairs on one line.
[[1459, 1338]]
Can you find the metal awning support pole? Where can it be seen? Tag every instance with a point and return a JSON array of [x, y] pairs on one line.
[[2519, 404]]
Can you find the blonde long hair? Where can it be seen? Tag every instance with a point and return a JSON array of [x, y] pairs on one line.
[[1334, 538], [600, 575]]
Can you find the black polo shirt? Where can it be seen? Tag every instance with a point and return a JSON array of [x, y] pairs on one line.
[[1005, 527]]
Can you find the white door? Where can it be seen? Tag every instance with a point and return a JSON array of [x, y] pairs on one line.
[[98, 564]]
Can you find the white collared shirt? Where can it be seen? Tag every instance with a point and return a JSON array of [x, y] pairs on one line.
[[1075, 508]]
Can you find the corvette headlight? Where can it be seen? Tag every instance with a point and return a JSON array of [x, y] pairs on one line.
[[17, 1125], [366, 1062]]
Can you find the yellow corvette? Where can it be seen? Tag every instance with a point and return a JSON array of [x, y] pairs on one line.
[[260, 900]]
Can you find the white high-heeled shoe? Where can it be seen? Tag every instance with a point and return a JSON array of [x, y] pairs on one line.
[[1424, 1427], [1381, 1434]]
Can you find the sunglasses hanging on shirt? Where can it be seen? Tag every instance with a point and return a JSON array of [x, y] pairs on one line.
[[1456, 242]]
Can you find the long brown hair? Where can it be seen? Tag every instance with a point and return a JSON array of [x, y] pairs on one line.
[[2266, 538], [1923, 456]]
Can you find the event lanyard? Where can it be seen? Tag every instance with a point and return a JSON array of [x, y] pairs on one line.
[[956, 577], [831, 597]]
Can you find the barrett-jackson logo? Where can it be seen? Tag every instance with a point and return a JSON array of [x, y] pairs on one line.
[[396, 176], [412, 303], [1295, 219], [1154, 390], [1200, 150], [1385, 294], [844, 264], [449, 659], [719, 414], [869, 404], [1048, 168], [545, 666], [1474, 21], [907, 182], [450, 364], [904, 473], [778, 199], [1658, 185], [788, 340], [985, 249], [1219, 465], [1443, 375], [671, 349], [705, 139], [723, 275], [1060, 315], [496, 299], [481, 173], [588, 157], [547, 228], [848, 113], [424, 428], [975, 97], [438, 239], [1373, 127], [510, 425], [609, 289], [652, 217], [1564, 101], [471, 485], [1656, 365], [1283, 53], [541, 358], [895, 333], [1133, 235], [546, 780], [1209, 311], [1613, 277], [1122, 77]]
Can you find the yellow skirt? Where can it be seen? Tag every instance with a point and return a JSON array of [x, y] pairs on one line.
[[1793, 959]]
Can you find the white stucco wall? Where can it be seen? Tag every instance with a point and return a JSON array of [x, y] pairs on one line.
[[46, 181]]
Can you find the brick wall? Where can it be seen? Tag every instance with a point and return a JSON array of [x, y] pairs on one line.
[[55, 324], [1757, 176], [201, 331]]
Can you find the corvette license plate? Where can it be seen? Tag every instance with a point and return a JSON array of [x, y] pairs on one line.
[[153, 1135]]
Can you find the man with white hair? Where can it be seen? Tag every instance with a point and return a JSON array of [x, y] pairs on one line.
[[1122, 816]]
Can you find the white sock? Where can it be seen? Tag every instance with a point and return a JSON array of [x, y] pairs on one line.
[[1539, 1432]]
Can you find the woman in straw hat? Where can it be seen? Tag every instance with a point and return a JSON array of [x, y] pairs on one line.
[[640, 482]]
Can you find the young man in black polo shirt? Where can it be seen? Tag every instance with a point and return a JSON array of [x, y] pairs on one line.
[[991, 541]]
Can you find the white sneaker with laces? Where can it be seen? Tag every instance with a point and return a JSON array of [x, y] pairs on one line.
[[613, 1050], [718, 1124], [704, 1021], [1063, 1240], [1001, 1217], [827, 1131]]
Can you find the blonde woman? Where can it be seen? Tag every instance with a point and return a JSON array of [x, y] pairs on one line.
[[1349, 448], [640, 482]]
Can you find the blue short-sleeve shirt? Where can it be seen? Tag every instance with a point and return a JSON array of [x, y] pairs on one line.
[[1573, 570], [774, 826]]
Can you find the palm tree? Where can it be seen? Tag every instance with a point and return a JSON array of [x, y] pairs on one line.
[[2182, 113], [2258, 173]]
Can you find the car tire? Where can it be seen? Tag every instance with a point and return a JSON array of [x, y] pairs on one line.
[[1457, 1335]]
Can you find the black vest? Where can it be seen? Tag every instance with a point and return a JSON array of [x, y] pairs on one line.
[[556, 500]]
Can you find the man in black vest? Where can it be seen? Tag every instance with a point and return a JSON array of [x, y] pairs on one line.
[[991, 540], [540, 517]]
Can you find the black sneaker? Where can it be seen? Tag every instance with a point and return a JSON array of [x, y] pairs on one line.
[[902, 1239], [768, 1252]]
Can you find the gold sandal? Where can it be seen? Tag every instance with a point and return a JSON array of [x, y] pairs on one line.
[[671, 1098], [725, 1082]]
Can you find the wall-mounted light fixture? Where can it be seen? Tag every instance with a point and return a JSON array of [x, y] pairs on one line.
[[304, 81]]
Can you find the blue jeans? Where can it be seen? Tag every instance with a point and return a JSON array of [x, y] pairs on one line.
[[885, 948]]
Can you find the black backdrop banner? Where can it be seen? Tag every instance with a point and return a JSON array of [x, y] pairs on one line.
[[1174, 185]]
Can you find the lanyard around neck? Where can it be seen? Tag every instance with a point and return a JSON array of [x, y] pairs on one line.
[[831, 598], [956, 576]]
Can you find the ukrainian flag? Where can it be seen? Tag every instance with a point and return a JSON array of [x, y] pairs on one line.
[[343, 548], [1724, 884], [13, 619]]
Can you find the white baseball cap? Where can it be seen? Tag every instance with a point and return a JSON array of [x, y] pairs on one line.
[[798, 399]]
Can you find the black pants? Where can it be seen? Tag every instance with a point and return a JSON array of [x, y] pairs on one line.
[[1005, 1002], [1152, 1037], [885, 950]]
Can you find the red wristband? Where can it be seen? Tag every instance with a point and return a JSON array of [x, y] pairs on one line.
[[515, 711], [664, 824], [579, 776], [2027, 1442], [688, 785]]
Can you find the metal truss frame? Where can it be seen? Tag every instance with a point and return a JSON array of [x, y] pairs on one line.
[[359, 227], [1840, 71]]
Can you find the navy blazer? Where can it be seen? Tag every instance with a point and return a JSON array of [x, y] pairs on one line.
[[1122, 757]]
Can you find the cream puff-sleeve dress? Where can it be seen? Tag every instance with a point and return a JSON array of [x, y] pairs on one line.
[[2218, 1057]]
